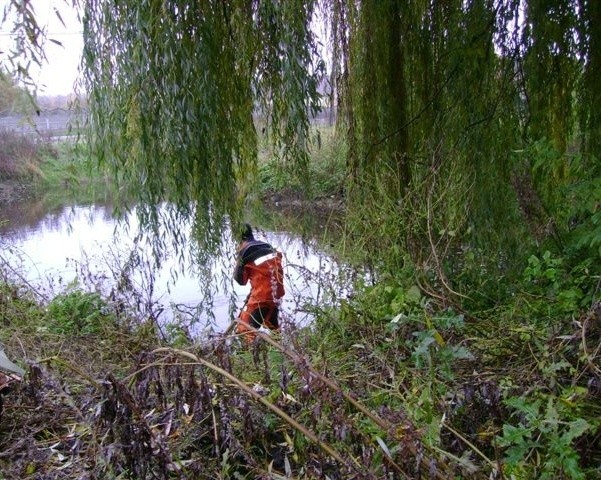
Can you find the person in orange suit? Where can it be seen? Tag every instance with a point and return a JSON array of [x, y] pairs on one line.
[[261, 265]]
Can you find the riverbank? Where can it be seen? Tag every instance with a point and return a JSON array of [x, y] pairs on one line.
[[14, 191], [107, 395], [395, 381]]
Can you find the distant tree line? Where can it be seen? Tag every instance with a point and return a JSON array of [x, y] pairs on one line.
[[12, 97], [15, 99]]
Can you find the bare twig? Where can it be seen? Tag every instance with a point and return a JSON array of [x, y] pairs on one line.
[[279, 412]]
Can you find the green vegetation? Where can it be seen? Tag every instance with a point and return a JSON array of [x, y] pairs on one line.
[[12, 98], [78, 312], [326, 170], [21, 157], [55, 172], [72, 174], [504, 380], [465, 177]]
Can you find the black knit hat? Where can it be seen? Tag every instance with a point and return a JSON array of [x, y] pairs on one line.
[[247, 233]]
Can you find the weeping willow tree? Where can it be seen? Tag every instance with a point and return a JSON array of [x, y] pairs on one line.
[[429, 107], [590, 53], [466, 121], [175, 88]]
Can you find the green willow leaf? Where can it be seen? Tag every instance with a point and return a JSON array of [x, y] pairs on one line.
[[175, 90]]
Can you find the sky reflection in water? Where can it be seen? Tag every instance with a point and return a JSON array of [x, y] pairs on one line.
[[53, 250]]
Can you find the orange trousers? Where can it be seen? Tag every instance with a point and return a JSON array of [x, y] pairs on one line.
[[256, 315]]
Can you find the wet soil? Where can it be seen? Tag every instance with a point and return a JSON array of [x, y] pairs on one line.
[[14, 191], [292, 203]]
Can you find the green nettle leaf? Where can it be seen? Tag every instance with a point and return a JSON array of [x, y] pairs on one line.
[[515, 454], [461, 353], [551, 420], [550, 432], [421, 353], [576, 428], [398, 302], [512, 435], [562, 458], [414, 294], [529, 408], [450, 321]]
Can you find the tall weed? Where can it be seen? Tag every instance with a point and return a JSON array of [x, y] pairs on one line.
[[21, 156], [540, 440]]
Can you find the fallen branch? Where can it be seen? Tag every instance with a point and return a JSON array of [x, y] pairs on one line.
[[380, 422], [279, 412]]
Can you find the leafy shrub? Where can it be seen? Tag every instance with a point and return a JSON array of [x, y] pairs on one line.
[[79, 312], [551, 277], [325, 175], [586, 219], [540, 441]]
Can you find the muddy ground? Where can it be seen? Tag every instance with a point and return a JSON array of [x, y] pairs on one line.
[[12, 191]]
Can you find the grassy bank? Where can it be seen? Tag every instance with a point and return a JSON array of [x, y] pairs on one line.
[[383, 380], [500, 380], [106, 396], [58, 172]]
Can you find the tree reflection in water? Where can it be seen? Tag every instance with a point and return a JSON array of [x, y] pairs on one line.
[[85, 247]]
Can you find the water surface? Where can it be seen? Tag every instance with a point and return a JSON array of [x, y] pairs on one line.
[[84, 246]]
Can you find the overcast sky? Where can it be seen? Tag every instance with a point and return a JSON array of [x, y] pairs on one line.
[[58, 75]]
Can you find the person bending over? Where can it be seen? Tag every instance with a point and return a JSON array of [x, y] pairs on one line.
[[261, 265]]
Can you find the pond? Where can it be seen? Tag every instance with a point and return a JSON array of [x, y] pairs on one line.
[[84, 246]]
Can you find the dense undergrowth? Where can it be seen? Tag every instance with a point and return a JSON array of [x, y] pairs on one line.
[[458, 366]]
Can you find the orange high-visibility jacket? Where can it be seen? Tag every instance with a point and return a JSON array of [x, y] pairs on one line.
[[261, 265]]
